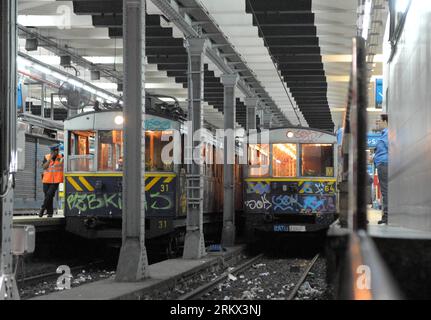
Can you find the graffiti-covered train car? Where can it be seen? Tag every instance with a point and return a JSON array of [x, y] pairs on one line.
[[290, 183], [93, 174]]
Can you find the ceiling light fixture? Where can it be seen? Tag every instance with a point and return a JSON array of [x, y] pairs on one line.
[[94, 75], [31, 44]]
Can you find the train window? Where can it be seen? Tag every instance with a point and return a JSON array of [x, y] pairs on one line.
[[258, 159], [110, 150], [81, 151], [317, 160], [284, 160], [153, 151]]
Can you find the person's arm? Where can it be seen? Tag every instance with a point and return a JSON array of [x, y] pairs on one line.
[[45, 163]]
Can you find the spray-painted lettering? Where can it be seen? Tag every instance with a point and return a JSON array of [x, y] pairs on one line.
[[259, 204], [92, 201], [285, 202]]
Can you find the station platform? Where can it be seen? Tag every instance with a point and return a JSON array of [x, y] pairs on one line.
[[162, 275], [406, 253], [392, 231], [57, 222]]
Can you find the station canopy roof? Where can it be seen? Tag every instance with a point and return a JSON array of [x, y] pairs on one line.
[[293, 55]]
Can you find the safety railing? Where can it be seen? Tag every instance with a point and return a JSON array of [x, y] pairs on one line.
[[364, 273]]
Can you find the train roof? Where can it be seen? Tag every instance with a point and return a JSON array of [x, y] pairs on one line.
[[293, 135], [105, 120]]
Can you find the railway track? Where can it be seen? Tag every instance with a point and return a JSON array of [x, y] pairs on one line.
[[301, 280], [51, 275], [200, 291], [207, 288]]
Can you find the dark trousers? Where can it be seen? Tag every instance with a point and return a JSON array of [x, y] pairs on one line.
[[49, 190], [382, 171]]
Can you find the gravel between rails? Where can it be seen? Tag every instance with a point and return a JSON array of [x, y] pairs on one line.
[[43, 286], [270, 279], [188, 284], [315, 286]]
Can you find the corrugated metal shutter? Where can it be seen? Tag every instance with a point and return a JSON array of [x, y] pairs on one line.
[[24, 180]]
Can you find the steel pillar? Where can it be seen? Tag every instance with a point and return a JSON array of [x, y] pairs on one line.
[[133, 262], [194, 244], [251, 104], [228, 234], [8, 163], [267, 117]]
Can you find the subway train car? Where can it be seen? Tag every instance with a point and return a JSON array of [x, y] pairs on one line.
[[290, 184], [93, 176]]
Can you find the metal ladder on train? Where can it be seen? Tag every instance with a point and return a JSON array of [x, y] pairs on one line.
[[194, 191]]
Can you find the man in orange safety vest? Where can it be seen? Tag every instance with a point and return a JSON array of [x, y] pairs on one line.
[[52, 177]]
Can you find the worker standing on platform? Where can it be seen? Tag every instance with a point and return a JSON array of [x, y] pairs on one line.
[[52, 177], [381, 162]]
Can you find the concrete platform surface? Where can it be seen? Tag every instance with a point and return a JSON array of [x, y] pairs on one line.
[[382, 231], [41, 224], [394, 232], [161, 274]]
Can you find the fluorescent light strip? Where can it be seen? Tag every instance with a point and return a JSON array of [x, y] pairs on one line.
[[367, 18], [23, 63]]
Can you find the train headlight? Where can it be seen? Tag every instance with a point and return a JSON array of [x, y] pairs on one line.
[[290, 134], [119, 120]]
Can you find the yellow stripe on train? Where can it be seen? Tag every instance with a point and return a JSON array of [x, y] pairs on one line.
[[291, 179], [74, 184], [86, 184], [119, 174], [151, 179]]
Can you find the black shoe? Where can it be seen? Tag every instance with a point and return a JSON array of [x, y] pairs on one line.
[[42, 210], [50, 214], [383, 221]]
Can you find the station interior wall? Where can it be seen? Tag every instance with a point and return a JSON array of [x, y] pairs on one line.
[[408, 104]]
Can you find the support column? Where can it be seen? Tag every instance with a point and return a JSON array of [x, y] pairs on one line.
[[194, 244], [251, 104], [267, 117], [228, 234], [133, 262], [8, 163]]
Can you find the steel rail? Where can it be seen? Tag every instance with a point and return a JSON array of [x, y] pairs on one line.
[[301, 280], [52, 274], [200, 291]]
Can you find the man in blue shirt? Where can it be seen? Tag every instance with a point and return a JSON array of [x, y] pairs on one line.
[[381, 163]]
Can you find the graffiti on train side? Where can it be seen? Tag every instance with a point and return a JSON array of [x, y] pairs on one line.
[[312, 204], [160, 201], [314, 187], [259, 204], [285, 203], [258, 187], [291, 203], [91, 201], [84, 202]]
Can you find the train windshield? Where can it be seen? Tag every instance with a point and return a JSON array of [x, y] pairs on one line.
[[109, 146], [110, 150], [317, 160], [82, 148], [258, 159], [155, 142], [284, 157]]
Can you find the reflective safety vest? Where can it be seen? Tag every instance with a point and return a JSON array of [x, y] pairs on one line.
[[54, 173]]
